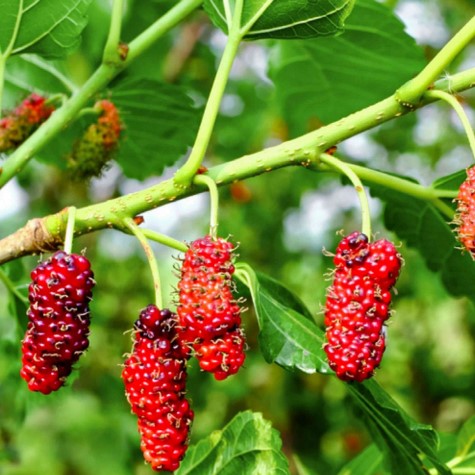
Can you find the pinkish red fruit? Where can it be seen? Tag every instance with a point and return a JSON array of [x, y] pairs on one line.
[[209, 315], [466, 212], [358, 305]]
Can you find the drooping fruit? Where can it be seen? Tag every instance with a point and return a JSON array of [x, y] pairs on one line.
[[209, 315], [59, 316], [357, 305], [154, 376], [17, 126], [465, 217], [93, 152]]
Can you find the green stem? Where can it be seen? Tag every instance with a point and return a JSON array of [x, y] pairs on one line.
[[68, 239], [343, 167], [214, 202], [410, 93], [111, 48], [99, 79], [164, 239], [403, 186], [130, 224], [11, 287], [164, 24], [451, 100], [185, 174]]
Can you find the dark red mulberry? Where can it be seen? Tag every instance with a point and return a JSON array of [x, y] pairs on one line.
[[59, 317], [154, 376]]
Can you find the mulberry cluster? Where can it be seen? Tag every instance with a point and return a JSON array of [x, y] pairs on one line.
[[209, 316], [16, 127], [154, 376], [58, 327], [94, 150], [466, 212], [358, 305]]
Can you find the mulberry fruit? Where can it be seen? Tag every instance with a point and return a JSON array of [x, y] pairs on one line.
[[466, 212], [92, 153], [59, 316], [358, 305], [17, 126], [155, 376], [209, 316]]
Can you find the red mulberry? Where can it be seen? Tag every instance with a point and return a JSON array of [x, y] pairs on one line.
[[358, 305], [209, 315], [155, 376], [466, 212], [58, 327]]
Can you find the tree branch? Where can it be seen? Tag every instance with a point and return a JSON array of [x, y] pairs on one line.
[[47, 233]]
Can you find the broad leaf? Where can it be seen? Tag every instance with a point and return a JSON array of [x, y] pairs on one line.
[[159, 121], [327, 78], [247, 445], [421, 225], [287, 337], [283, 19], [46, 27], [160, 124], [466, 444], [30, 72], [401, 439], [367, 462]]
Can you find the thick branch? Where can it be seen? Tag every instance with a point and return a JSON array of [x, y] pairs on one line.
[[302, 151], [32, 238]]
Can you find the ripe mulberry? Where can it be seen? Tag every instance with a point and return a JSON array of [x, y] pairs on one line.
[[358, 305], [58, 326], [17, 126], [466, 212], [155, 376], [209, 315]]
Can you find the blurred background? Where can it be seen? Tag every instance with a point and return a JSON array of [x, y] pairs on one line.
[[282, 221]]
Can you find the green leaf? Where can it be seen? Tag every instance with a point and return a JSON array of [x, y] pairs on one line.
[[450, 182], [367, 462], [160, 124], [327, 78], [466, 444], [47, 27], [288, 335], [401, 439], [284, 19], [247, 445], [30, 72], [421, 225]]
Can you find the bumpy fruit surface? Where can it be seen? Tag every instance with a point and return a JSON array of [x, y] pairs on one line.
[[358, 305], [17, 126], [466, 212], [58, 326], [95, 149], [209, 315], [155, 376]]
